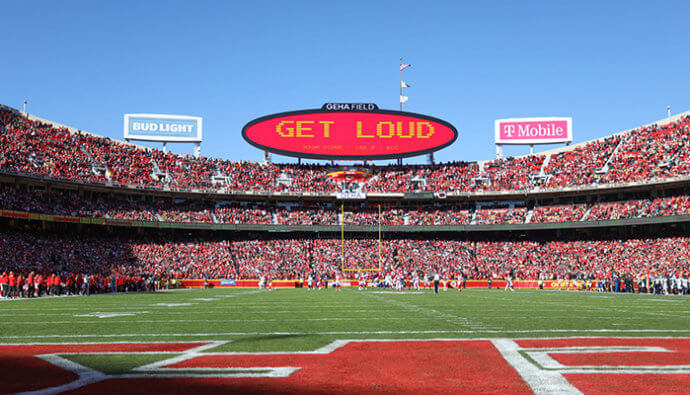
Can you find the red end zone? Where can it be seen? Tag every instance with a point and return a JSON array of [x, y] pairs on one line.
[[592, 365]]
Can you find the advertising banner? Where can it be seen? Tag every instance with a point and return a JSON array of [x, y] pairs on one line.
[[533, 130], [160, 127]]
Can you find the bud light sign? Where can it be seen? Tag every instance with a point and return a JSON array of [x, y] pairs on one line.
[[534, 130], [159, 127]]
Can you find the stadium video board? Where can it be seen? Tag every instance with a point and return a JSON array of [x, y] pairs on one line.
[[349, 132], [160, 127], [547, 130]]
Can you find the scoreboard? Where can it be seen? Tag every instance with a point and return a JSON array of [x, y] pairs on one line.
[[349, 131]]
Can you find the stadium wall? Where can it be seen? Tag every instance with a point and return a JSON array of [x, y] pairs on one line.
[[670, 219], [14, 177], [301, 283]]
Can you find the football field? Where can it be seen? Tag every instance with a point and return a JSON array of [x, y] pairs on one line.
[[297, 340]]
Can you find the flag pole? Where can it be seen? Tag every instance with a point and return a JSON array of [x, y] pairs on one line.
[[400, 97]]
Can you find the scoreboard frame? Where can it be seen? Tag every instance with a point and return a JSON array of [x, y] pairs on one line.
[[316, 155]]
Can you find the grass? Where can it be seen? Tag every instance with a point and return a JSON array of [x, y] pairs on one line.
[[301, 320]]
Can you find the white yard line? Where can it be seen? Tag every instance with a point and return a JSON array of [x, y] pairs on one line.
[[254, 312], [105, 319], [503, 331], [136, 321]]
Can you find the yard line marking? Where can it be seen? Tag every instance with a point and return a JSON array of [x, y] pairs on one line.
[[400, 292], [206, 341], [174, 304], [668, 300], [107, 315], [469, 331], [206, 321], [242, 293], [255, 312], [162, 308]]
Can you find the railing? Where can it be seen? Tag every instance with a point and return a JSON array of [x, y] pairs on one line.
[[670, 219], [515, 193]]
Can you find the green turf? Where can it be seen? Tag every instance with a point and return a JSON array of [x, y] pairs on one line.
[[286, 320], [115, 363]]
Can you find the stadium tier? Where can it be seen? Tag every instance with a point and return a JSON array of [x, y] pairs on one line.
[[70, 201], [65, 202], [35, 148]]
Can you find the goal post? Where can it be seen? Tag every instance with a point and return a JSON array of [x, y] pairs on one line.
[[351, 183]]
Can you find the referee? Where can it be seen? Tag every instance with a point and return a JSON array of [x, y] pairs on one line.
[[437, 278]]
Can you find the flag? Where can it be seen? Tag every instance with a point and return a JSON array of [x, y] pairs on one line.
[[404, 84], [403, 99], [404, 66]]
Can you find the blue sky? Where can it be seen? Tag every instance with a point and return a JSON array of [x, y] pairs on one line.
[[609, 65]]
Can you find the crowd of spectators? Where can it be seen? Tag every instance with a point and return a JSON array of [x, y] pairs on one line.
[[134, 261], [640, 208], [64, 202], [652, 153], [501, 216], [559, 213], [40, 149]]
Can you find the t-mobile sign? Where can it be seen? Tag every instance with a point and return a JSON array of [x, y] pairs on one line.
[[534, 130]]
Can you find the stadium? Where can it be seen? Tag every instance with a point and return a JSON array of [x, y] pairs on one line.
[[129, 268]]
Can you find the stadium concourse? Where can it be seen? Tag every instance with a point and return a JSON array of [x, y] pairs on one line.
[[613, 213]]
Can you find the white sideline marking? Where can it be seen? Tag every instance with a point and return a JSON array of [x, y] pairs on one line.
[[102, 315], [469, 331], [106, 315], [399, 292], [174, 304], [668, 300], [189, 312], [205, 299], [241, 293]]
